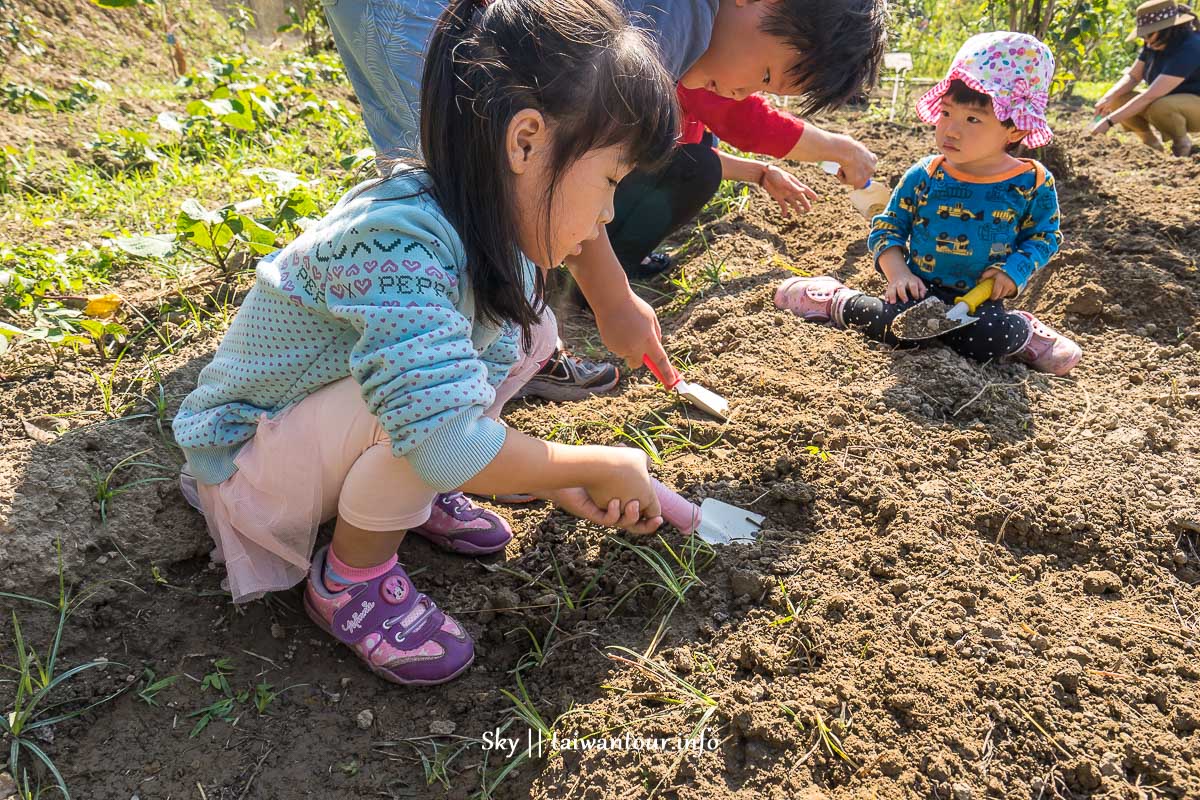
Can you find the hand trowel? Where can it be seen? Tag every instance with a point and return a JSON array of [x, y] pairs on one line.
[[702, 398], [713, 521], [931, 317]]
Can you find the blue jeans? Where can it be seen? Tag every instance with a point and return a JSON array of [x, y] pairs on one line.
[[382, 44]]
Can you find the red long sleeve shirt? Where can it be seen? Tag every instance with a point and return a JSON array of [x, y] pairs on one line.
[[751, 124]]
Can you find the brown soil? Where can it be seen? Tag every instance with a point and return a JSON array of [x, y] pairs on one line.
[[979, 579]]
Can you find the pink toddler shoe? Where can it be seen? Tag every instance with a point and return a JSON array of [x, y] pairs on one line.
[[397, 631], [458, 525], [815, 299], [1047, 350]]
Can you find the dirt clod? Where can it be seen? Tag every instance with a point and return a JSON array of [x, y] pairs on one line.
[[1102, 582]]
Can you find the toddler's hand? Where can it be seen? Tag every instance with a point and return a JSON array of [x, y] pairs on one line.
[[786, 190], [904, 287], [1004, 285]]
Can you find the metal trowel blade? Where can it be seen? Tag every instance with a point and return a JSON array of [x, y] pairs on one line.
[[722, 523], [703, 399]]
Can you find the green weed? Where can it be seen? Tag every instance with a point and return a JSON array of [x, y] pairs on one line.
[[674, 576], [37, 685], [104, 488]]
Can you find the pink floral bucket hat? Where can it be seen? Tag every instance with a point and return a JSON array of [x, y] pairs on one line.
[[1014, 69]]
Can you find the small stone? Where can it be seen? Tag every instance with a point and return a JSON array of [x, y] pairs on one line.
[[1101, 582], [442, 727], [365, 719], [277, 631], [961, 791], [102, 560], [344, 683]]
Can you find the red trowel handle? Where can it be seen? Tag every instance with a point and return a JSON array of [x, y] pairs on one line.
[[670, 384], [676, 510]]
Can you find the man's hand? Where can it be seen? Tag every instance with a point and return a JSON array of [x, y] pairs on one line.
[[786, 190], [1003, 287]]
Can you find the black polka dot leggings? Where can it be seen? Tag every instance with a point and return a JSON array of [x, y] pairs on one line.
[[997, 333]]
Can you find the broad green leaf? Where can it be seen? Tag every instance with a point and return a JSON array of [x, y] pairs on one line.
[[170, 121], [156, 245], [195, 212], [282, 180]]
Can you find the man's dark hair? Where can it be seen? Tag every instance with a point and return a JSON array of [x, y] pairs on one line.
[[839, 46]]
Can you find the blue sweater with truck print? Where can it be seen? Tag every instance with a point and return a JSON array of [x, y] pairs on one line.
[[953, 226]]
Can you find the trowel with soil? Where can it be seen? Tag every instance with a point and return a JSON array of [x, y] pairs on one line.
[[713, 521], [931, 317]]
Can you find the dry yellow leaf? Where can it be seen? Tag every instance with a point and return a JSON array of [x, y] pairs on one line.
[[102, 305]]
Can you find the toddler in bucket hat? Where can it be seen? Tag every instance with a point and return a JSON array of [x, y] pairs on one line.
[[1014, 69]]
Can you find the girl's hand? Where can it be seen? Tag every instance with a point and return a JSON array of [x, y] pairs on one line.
[[904, 287], [1105, 105], [786, 190], [577, 503], [1004, 286], [622, 489]]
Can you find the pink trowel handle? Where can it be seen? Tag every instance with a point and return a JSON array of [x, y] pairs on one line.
[[681, 513]]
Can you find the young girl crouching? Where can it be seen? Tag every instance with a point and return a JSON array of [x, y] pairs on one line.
[[365, 371]]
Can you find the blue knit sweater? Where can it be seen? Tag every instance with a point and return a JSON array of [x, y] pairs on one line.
[[952, 226], [376, 290]]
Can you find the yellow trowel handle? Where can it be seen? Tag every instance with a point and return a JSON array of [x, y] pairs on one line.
[[981, 292]]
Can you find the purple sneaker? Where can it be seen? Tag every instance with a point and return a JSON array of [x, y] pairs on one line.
[[397, 631], [460, 526]]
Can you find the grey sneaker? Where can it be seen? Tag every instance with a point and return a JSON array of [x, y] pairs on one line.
[[568, 377]]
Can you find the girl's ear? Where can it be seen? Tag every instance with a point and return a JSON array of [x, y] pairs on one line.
[[528, 136]]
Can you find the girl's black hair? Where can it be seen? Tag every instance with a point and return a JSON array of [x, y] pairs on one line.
[[596, 79]]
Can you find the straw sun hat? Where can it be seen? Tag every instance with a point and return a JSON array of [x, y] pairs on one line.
[[1158, 15]]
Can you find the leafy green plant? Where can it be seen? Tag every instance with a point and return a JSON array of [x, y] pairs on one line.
[[215, 235], [123, 150], [38, 683], [151, 687], [309, 21], [241, 19], [19, 33], [83, 93], [18, 97]]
